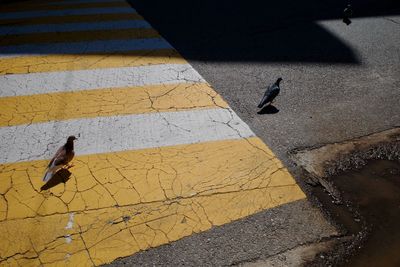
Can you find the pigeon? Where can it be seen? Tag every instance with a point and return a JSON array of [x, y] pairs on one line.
[[269, 95], [61, 159], [347, 13]]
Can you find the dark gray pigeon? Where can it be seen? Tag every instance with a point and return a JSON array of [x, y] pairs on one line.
[[272, 92], [62, 157], [347, 13]]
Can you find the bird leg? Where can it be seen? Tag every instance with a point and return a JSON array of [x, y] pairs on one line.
[[69, 166]]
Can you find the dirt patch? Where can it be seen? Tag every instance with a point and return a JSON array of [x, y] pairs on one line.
[[298, 256], [357, 183], [370, 213], [331, 159]]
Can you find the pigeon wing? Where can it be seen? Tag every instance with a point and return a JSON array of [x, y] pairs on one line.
[[58, 154], [59, 159], [274, 93], [264, 100]]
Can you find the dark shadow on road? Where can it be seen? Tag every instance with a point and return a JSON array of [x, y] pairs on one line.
[[254, 31], [62, 176], [264, 31], [269, 109]]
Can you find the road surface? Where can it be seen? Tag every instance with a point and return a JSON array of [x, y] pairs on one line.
[[160, 155]]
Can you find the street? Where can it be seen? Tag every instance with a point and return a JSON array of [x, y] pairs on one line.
[[174, 164]]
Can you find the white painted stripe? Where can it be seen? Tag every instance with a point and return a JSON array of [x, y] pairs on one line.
[[103, 46], [42, 83], [74, 27], [119, 133], [66, 12]]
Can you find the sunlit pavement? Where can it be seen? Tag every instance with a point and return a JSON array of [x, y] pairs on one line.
[[340, 82], [159, 156]]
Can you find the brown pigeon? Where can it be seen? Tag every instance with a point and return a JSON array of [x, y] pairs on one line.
[[62, 157]]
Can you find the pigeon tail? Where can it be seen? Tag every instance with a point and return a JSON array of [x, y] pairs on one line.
[[47, 176], [263, 101], [51, 171], [261, 105]]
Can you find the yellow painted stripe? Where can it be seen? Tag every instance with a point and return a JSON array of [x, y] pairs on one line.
[[70, 19], [103, 235], [129, 201], [107, 102], [18, 7], [80, 36], [142, 176], [50, 63]]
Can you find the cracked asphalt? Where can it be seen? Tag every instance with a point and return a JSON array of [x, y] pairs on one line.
[[173, 163], [339, 82], [160, 155]]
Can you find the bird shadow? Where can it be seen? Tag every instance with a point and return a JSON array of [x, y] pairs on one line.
[[62, 176], [270, 109]]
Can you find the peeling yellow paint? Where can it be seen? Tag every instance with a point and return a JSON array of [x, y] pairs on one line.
[[51, 63], [120, 231], [60, 37], [3, 208], [20, 260], [115, 204], [142, 176], [129, 201], [5, 184], [106, 102]]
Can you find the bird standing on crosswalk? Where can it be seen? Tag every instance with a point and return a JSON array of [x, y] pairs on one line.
[[270, 94], [61, 159]]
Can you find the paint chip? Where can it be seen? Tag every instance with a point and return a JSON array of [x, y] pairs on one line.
[[68, 239], [70, 223]]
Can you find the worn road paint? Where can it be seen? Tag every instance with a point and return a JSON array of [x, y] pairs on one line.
[[70, 19], [118, 133], [55, 63], [102, 235], [101, 47], [70, 223], [107, 102], [160, 155], [65, 12], [42, 6], [53, 82], [80, 36], [68, 239], [74, 27], [136, 177]]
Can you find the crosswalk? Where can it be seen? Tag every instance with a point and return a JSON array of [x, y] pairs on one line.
[[160, 155]]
